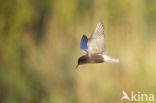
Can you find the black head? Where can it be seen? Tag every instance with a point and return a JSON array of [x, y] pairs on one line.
[[82, 60]]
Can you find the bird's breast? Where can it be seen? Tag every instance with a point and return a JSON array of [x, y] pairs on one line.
[[96, 58]]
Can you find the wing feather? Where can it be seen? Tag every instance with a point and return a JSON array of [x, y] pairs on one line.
[[96, 41], [83, 44]]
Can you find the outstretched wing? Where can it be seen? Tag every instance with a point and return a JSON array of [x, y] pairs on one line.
[[96, 41], [83, 44]]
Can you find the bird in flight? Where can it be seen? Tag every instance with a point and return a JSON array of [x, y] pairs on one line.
[[94, 47]]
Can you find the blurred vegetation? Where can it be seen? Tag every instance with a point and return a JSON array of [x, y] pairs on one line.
[[39, 48]]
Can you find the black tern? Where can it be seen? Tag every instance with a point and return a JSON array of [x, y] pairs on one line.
[[94, 47]]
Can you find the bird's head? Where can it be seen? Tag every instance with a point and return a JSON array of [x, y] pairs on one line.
[[82, 60]]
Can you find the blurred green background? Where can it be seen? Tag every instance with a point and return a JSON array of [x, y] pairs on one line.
[[40, 45]]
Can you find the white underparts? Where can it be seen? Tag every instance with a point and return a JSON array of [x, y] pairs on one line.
[[110, 59]]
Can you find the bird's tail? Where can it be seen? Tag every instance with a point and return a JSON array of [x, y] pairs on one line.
[[110, 59]]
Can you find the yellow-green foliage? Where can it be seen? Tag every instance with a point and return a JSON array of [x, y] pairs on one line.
[[39, 48]]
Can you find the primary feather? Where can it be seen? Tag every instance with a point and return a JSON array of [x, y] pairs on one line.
[[83, 43], [96, 41]]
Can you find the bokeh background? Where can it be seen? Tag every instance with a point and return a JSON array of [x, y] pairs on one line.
[[40, 45]]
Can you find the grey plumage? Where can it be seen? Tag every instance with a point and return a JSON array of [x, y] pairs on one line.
[[96, 41], [95, 47]]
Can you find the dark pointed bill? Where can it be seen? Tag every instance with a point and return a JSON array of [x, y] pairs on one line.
[[77, 66]]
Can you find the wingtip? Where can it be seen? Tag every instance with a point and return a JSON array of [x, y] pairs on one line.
[[84, 35], [100, 21], [100, 24]]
